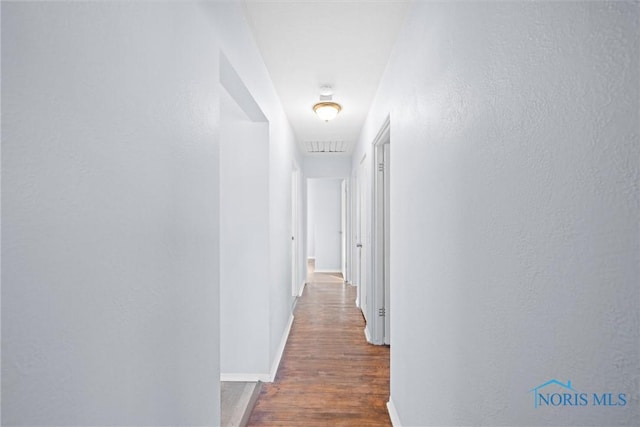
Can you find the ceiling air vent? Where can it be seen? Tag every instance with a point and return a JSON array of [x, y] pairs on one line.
[[325, 146]]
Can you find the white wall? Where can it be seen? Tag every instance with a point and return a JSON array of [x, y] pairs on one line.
[[242, 55], [311, 225], [110, 213], [110, 185], [282, 153], [244, 238], [514, 225], [302, 231], [324, 223], [327, 165]]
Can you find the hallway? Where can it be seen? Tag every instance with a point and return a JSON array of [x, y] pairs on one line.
[[328, 375], [162, 164]]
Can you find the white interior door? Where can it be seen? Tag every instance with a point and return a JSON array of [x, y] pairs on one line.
[[343, 228], [363, 233], [355, 242]]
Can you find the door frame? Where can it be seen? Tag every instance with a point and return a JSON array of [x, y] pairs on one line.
[[343, 229], [361, 243], [380, 326], [295, 229], [354, 234]]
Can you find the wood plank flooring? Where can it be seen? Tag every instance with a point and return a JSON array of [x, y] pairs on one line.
[[329, 375]]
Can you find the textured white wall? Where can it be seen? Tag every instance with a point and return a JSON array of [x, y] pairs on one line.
[[324, 222], [110, 213], [514, 178], [110, 178]]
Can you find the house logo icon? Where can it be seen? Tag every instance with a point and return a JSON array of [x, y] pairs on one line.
[[537, 396]]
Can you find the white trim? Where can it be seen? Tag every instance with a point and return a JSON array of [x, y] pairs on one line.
[[366, 334], [301, 289], [280, 351], [393, 414], [244, 377], [328, 271]]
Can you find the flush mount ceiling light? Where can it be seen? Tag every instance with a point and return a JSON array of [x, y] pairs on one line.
[[326, 109]]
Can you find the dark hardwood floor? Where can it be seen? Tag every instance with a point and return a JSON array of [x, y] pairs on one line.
[[329, 375]]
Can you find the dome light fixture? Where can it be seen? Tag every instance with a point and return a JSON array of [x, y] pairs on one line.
[[327, 110]]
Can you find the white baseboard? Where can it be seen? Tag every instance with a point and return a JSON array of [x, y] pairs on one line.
[[301, 289], [244, 377], [328, 271], [280, 351], [393, 414]]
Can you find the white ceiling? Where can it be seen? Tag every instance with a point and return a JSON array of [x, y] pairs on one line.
[[307, 43]]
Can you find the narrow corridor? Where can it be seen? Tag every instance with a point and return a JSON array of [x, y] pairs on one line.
[[329, 374]]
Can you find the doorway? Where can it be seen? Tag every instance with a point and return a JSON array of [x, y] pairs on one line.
[[324, 224], [295, 227]]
